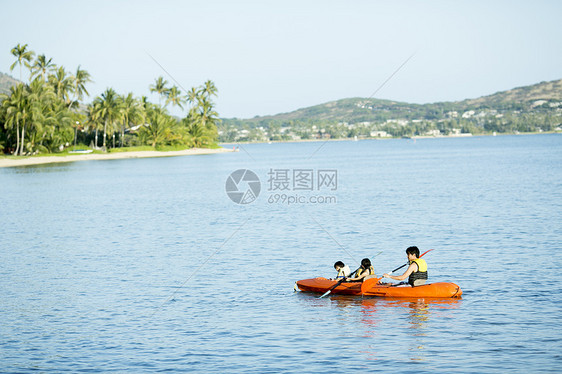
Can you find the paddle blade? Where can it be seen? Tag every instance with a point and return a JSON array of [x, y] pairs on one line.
[[325, 294], [429, 250], [368, 284]]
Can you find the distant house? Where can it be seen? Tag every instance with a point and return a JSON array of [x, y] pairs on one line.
[[538, 103], [380, 134], [293, 136], [401, 122], [135, 128], [457, 132], [433, 133]]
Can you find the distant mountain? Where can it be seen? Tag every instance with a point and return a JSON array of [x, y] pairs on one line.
[[6, 82], [531, 108], [362, 109], [550, 91]]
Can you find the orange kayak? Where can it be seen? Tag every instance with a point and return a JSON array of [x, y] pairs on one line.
[[371, 287], [438, 290], [321, 285]]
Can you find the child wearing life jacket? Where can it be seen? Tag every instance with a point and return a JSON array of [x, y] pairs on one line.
[[342, 269], [366, 271], [416, 272]]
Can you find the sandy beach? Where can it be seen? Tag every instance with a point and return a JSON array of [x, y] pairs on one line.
[[16, 161]]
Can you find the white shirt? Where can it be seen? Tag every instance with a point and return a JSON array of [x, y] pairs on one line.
[[344, 272]]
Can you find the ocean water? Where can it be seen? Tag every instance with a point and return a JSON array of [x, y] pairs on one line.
[[147, 265]]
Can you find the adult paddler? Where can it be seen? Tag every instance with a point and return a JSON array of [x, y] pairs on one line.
[[416, 272]]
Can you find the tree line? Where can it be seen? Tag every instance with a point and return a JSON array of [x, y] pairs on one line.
[[48, 114], [421, 120]]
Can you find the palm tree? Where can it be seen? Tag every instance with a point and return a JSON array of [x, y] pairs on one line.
[[109, 110], [159, 87], [79, 81], [207, 116], [201, 121], [209, 89], [15, 107], [42, 66], [160, 129], [93, 120], [57, 125], [131, 112], [144, 103], [23, 57], [23, 107], [145, 107], [174, 96], [43, 112], [193, 95], [62, 84], [38, 113], [197, 134]]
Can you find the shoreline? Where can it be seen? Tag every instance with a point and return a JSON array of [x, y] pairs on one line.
[[41, 160], [391, 138], [17, 161]]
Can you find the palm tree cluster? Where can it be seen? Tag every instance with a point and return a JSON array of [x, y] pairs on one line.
[[45, 114], [197, 129], [37, 116]]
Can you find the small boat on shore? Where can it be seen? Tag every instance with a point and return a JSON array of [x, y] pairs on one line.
[[372, 287]]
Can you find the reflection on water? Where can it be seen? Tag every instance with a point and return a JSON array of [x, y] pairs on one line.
[[374, 314], [418, 317], [418, 313], [40, 168]]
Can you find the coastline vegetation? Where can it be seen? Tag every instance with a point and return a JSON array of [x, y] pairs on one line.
[[48, 113]]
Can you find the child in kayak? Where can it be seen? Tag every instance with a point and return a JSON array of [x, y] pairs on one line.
[[366, 271], [342, 269], [416, 272]]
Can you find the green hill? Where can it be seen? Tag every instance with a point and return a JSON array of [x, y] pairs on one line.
[[6, 82], [550, 91], [524, 109]]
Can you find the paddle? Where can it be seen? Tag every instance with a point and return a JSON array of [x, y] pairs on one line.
[[339, 282], [368, 283]]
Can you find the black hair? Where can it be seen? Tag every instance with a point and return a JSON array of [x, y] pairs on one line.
[[413, 251], [340, 264], [366, 263]]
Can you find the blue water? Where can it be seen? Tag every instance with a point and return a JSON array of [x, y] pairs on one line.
[[146, 265]]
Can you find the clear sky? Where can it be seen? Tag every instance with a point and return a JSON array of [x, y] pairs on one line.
[[268, 57]]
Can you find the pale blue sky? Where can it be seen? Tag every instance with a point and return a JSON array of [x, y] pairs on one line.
[[268, 57]]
